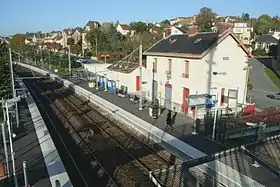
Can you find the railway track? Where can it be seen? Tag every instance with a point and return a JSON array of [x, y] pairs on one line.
[[78, 169], [120, 155], [142, 158]]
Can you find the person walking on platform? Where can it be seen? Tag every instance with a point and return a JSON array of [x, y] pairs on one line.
[[169, 119]]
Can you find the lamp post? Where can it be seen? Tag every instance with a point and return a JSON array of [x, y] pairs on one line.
[[69, 61], [4, 139], [14, 100], [49, 60], [216, 113], [246, 83]]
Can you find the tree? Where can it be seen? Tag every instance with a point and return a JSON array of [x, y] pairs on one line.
[[88, 54], [17, 42], [273, 51], [5, 88], [262, 24], [70, 41], [205, 19], [58, 46], [139, 26], [165, 23], [77, 48], [245, 16]]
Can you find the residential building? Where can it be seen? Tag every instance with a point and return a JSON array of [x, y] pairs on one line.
[[85, 43], [91, 25], [124, 30], [275, 34], [28, 41], [193, 64], [61, 39], [152, 28], [265, 42], [76, 35], [232, 19], [184, 20], [244, 32]]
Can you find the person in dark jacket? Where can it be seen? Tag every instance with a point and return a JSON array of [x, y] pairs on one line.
[[169, 119]]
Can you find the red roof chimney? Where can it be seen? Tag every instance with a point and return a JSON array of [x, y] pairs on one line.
[[192, 30], [224, 27]]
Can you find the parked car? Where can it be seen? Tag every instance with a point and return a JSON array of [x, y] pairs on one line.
[[274, 96]]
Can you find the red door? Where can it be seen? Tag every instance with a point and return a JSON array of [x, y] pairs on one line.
[[137, 83], [185, 105]]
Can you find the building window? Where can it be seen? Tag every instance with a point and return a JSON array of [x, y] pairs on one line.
[[169, 66], [226, 58], [186, 69], [155, 65]]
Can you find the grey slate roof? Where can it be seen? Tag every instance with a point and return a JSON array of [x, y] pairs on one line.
[[266, 39], [182, 29], [186, 44]]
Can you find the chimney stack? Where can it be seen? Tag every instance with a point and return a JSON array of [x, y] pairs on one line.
[[224, 27], [192, 30]]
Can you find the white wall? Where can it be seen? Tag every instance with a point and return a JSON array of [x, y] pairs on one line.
[[128, 80], [198, 72], [124, 79]]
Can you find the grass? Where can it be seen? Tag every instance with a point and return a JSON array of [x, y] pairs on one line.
[[273, 77]]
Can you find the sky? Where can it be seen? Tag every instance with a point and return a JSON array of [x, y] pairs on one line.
[[21, 16]]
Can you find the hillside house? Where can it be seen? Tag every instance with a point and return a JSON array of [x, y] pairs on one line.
[[196, 63], [184, 20], [76, 35], [85, 43], [244, 32], [265, 42], [91, 25], [124, 29], [275, 34]]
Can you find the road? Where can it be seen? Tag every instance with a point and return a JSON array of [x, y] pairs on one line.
[[262, 85]]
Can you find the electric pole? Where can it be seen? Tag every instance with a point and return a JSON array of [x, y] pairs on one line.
[[140, 71], [69, 61], [96, 46], [13, 85], [11, 145]]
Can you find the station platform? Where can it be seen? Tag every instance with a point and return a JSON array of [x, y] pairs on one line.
[[182, 127], [34, 145]]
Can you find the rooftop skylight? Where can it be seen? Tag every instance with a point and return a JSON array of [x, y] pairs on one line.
[[172, 41], [197, 40]]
